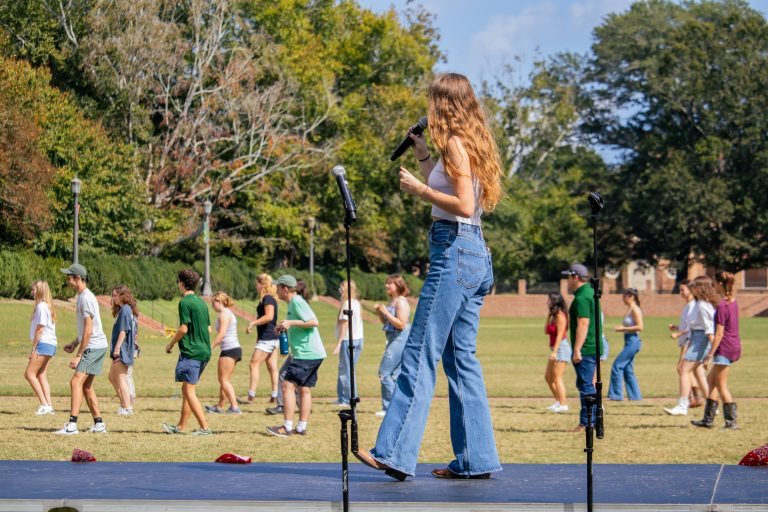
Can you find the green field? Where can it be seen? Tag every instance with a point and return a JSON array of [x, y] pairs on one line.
[[513, 352]]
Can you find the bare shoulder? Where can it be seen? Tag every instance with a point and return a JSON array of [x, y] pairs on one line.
[[457, 153]]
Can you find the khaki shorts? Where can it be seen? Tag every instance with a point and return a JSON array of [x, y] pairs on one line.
[[91, 361]]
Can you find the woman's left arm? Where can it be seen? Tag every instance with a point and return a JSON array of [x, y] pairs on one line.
[[462, 202]]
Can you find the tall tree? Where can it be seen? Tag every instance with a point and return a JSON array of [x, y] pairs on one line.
[[680, 90]]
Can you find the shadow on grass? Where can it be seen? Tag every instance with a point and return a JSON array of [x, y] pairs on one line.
[[646, 427], [10, 413], [533, 430]]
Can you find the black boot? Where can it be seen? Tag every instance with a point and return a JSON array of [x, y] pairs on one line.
[[709, 415], [729, 413]]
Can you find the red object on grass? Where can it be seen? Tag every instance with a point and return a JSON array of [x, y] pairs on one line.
[[231, 458], [757, 457], [79, 455]]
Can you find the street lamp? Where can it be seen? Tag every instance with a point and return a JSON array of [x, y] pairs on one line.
[[312, 253], [75, 185], [207, 207]]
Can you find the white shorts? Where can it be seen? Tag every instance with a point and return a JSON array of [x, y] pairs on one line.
[[267, 345]]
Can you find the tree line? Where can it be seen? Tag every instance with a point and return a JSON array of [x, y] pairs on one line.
[[160, 105]]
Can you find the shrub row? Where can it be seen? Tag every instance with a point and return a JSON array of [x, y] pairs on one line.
[[154, 278]]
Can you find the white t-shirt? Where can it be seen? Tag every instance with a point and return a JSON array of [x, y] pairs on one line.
[[357, 319], [683, 325], [702, 317], [229, 341], [43, 317], [87, 305]]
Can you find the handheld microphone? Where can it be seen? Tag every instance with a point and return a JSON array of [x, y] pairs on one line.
[[349, 205], [416, 129]]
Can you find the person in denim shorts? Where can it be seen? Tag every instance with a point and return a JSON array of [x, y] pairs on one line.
[[42, 332], [463, 183], [725, 350], [559, 350], [193, 337]]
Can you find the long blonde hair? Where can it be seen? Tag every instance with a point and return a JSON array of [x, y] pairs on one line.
[[223, 299], [267, 286], [455, 111], [42, 293], [343, 291]]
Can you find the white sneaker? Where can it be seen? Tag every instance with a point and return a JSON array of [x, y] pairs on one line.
[[45, 409], [678, 410], [560, 408], [69, 429], [98, 428], [380, 414], [125, 411], [553, 406]]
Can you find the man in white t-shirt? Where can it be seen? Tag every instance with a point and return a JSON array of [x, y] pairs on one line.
[[93, 346]]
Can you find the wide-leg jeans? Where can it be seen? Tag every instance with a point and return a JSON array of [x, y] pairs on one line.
[[445, 325], [623, 370], [389, 368]]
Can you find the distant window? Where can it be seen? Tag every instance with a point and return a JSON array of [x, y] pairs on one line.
[[756, 278]]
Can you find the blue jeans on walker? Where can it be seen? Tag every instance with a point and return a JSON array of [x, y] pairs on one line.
[[342, 383], [585, 371], [623, 369], [445, 324], [389, 369]]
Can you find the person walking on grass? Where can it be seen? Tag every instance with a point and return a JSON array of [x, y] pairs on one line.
[[307, 354], [560, 351], [395, 317], [231, 352], [581, 314], [266, 338], [725, 350], [194, 352], [701, 328], [42, 333], [623, 369], [689, 372], [89, 358], [343, 391], [123, 345]]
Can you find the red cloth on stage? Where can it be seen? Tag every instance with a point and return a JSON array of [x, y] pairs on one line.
[[757, 457], [231, 458], [79, 455]]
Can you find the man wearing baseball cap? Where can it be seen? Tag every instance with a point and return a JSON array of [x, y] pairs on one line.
[[582, 333], [88, 359]]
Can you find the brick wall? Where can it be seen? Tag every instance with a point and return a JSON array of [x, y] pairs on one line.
[[523, 305]]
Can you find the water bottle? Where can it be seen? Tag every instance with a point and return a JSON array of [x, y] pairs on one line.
[[284, 343]]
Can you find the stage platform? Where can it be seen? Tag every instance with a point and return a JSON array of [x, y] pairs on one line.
[[197, 487]]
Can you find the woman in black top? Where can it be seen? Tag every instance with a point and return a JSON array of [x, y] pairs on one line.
[[267, 338]]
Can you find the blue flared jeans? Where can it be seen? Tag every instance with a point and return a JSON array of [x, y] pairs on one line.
[[343, 391], [445, 325], [585, 372], [389, 369], [623, 370]]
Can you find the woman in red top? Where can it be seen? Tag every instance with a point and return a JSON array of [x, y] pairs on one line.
[[559, 350]]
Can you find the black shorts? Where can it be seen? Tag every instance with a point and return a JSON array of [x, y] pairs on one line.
[[303, 372], [234, 353]]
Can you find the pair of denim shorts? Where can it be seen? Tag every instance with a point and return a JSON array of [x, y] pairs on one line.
[[698, 347], [46, 349], [189, 370], [267, 346], [721, 360], [564, 352]]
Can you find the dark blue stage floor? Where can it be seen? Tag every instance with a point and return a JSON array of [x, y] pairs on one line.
[[115, 486]]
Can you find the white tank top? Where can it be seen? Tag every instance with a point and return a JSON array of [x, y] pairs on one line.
[[439, 181], [230, 340]]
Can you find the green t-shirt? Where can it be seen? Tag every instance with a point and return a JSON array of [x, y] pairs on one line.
[[304, 343], [193, 312], [583, 306]]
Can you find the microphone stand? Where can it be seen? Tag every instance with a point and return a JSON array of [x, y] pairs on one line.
[[348, 415], [596, 400]]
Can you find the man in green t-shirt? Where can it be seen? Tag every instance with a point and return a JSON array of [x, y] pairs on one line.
[[582, 326], [307, 354], [193, 337]]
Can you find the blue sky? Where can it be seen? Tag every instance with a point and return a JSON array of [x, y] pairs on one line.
[[480, 36]]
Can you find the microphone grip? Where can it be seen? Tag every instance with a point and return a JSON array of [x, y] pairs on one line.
[[407, 142], [349, 204]]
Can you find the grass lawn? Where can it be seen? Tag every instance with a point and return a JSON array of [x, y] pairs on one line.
[[513, 352]]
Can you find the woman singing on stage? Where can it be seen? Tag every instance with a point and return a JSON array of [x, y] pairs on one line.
[[464, 182]]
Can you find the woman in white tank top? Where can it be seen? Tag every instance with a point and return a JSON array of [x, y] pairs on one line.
[[463, 182], [231, 352]]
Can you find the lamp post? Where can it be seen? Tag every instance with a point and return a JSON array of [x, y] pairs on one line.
[[75, 185], [207, 207], [312, 253]]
